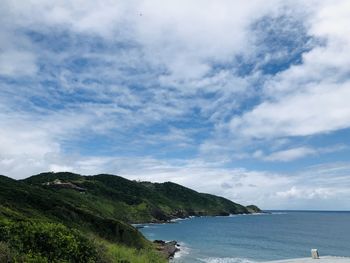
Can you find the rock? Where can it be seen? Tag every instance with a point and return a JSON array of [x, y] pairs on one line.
[[167, 248], [159, 242]]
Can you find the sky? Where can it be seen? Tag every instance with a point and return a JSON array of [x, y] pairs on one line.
[[249, 100]]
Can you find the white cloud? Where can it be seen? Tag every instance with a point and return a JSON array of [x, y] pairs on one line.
[[290, 154], [30, 144], [17, 55], [14, 63], [320, 109], [184, 58], [180, 36], [297, 153], [309, 98], [299, 193], [20, 137]]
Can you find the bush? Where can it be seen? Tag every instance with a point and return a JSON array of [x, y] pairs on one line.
[[41, 242], [54, 242]]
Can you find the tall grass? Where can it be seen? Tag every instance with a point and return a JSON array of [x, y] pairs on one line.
[[122, 254]]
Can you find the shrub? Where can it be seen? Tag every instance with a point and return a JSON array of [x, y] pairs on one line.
[[50, 241]]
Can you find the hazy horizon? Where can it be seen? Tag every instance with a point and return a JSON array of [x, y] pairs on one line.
[[248, 100]]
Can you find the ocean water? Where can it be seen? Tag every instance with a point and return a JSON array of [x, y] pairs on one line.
[[256, 238]]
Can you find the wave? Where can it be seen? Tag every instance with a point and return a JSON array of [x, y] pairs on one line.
[[181, 219], [177, 219], [254, 214], [226, 260], [184, 250]]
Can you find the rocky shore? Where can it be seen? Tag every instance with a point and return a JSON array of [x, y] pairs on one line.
[[168, 249], [181, 216]]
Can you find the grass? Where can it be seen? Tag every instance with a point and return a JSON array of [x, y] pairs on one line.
[[124, 254]]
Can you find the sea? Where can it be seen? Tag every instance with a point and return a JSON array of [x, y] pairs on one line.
[[256, 238]]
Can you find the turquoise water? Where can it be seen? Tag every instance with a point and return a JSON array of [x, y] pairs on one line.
[[254, 238]]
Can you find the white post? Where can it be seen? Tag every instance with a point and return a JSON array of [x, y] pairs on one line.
[[314, 253]]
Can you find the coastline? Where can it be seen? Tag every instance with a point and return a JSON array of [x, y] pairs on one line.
[[172, 220], [285, 255], [325, 259], [173, 248]]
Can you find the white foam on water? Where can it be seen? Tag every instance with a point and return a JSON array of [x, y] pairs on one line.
[[178, 219], [255, 214], [181, 219], [184, 250], [226, 260]]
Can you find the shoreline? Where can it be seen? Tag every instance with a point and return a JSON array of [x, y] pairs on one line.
[[172, 248], [140, 225], [336, 258], [324, 259]]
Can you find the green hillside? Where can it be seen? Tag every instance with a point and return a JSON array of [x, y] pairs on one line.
[[136, 202], [97, 211]]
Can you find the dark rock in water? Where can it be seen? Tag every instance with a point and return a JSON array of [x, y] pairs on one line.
[[167, 248]]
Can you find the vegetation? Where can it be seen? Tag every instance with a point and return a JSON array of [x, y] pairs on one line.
[[253, 209], [48, 242], [137, 202], [66, 217], [39, 242], [126, 254]]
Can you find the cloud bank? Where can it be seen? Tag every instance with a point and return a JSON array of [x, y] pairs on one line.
[[246, 98]]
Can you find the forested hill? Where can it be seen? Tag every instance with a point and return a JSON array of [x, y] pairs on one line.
[[134, 202], [103, 205]]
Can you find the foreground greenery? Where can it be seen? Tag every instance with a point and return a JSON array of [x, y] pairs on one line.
[[39, 242], [34, 241], [42, 221]]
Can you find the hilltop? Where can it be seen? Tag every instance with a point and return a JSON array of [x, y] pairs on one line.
[[112, 196]]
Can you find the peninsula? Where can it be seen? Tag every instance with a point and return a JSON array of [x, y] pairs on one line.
[[72, 212]]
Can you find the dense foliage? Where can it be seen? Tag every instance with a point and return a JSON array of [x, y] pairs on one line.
[[41, 242], [138, 202], [48, 241]]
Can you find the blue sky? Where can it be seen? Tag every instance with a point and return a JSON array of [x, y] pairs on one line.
[[245, 99]]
